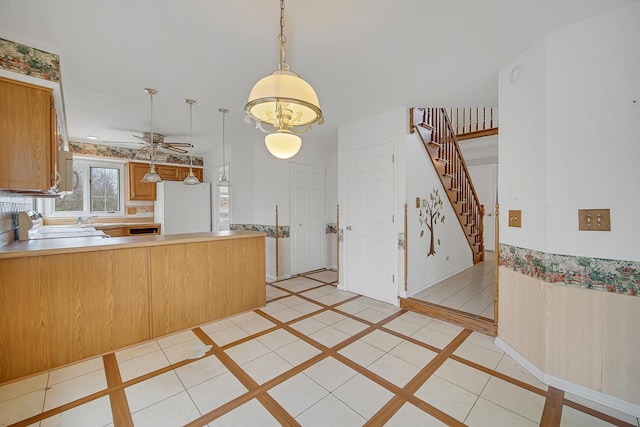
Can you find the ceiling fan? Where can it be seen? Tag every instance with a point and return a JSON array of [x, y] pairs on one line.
[[160, 144]]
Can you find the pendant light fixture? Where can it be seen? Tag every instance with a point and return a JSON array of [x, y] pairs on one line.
[[224, 181], [152, 175], [190, 179], [286, 103]]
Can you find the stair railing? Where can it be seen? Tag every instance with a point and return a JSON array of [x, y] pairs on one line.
[[439, 139]]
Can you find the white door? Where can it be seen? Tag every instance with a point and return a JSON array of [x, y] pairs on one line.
[[485, 182], [370, 243], [308, 224]]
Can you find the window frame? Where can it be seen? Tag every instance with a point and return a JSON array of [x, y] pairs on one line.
[[87, 163], [217, 225]]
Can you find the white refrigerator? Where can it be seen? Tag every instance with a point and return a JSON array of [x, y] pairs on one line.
[[182, 208]]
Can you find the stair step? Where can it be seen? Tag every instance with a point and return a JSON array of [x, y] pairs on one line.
[[441, 160], [435, 143]]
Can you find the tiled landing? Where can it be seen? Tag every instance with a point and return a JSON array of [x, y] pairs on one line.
[[471, 290], [314, 356]]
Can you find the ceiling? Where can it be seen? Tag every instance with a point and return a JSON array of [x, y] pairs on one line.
[[363, 57]]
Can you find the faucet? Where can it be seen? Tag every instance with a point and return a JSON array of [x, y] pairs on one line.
[[82, 219]]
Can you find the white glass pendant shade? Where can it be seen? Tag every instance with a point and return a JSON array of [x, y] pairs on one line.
[[152, 175], [191, 179], [291, 92], [282, 144]]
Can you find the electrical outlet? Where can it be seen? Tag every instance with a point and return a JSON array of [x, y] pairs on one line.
[[594, 220], [515, 218]]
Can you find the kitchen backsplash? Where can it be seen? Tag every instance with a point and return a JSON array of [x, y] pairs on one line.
[[10, 205]]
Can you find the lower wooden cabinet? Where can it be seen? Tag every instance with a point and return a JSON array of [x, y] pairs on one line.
[[57, 309]]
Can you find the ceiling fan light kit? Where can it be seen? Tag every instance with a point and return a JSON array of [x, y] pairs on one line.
[[285, 103]]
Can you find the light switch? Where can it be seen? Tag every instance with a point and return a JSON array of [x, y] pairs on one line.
[[515, 218], [594, 220]]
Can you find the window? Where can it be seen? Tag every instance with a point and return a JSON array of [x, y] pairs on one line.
[[98, 189], [223, 203]]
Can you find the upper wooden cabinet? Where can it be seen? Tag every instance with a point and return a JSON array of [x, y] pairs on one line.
[[146, 190], [139, 190], [28, 136]]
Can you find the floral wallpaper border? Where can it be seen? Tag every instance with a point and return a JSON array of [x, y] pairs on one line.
[[331, 228], [23, 59], [621, 277], [101, 150]]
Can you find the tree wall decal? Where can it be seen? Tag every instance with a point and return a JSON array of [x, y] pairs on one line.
[[430, 214]]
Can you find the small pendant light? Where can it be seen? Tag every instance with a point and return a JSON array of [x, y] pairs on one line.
[[152, 175], [190, 179], [224, 181]]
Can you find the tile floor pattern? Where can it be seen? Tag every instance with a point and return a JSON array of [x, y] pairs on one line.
[[471, 290], [314, 356]]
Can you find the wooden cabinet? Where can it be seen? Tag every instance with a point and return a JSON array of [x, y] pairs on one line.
[[28, 141], [58, 308], [114, 232], [147, 191], [139, 190], [169, 173]]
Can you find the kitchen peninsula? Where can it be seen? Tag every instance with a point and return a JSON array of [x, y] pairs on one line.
[[64, 300]]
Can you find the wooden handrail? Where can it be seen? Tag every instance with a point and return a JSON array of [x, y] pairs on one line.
[[447, 158]]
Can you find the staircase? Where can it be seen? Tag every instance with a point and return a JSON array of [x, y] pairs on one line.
[[439, 139]]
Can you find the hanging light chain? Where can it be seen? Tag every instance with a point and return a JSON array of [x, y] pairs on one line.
[[282, 38]]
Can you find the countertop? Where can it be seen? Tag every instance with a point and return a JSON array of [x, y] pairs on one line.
[[29, 248]]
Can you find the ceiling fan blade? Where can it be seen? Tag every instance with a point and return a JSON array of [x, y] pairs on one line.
[[177, 144], [174, 149]]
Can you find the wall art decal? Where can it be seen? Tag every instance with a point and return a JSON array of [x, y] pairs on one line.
[[430, 214]]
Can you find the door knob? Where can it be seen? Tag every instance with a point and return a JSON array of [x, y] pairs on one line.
[[349, 228]]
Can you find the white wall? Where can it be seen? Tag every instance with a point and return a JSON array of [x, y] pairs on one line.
[[454, 254], [569, 140], [593, 134], [522, 148]]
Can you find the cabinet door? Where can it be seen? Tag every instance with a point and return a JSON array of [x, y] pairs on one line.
[[168, 173], [25, 136], [198, 173], [139, 190]]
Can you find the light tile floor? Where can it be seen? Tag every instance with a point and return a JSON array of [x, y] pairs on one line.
[[314, 356], [471, 290]]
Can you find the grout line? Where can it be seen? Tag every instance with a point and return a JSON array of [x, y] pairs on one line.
[[597, 414], [254, 389], [117, 398], [390, 409], [500, 375]]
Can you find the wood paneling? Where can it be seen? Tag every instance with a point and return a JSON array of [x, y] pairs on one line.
[[200, 282], [57, 309], [25, 136], [521, 315]]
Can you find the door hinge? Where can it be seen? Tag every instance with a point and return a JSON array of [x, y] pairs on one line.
[[393, 218], [393, 158], [393, 278]]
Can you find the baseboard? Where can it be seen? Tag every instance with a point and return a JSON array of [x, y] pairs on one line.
[[332, 267], [272, 278], [569, 387]]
